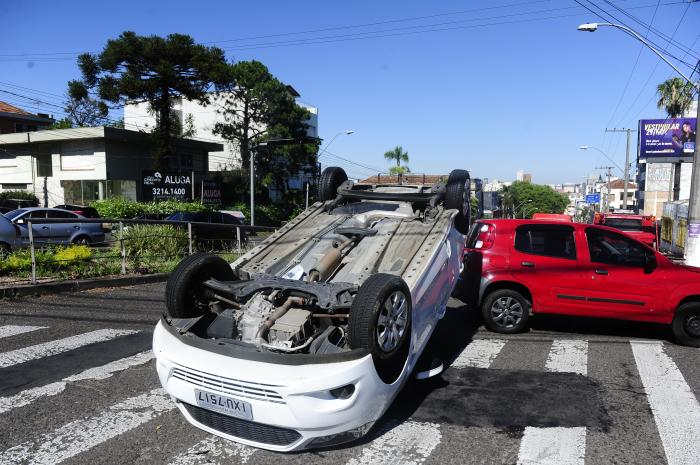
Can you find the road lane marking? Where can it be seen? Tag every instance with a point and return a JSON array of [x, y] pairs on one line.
[[47, 349], [79, 436], [553, 446], [28, 396], [675, 408], [13, 330], [214, 450], [480, 353], [409, 443], [568, 356]]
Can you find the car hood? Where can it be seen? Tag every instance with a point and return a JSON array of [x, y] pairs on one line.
[[694, 269]]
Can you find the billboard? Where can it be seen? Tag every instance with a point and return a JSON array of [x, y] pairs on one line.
[[668, 138], [161, 185], [593, 198], [211, 192]]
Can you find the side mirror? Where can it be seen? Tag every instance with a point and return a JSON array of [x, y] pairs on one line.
[[650, 263]]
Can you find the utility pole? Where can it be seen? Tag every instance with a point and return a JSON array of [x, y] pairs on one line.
[[627, 161], [605, 206]]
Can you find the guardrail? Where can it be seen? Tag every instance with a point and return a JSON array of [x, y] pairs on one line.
[[238, 234]]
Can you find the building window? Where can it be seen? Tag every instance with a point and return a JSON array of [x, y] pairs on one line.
[[14, 187], [44, 169]]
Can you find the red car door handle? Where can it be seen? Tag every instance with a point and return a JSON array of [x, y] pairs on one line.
[[605, 272], [528, 264]]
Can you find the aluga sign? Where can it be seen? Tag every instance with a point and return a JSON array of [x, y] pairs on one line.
[[159, 185]]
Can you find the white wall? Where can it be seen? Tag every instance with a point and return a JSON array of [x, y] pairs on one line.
[[138, 117]]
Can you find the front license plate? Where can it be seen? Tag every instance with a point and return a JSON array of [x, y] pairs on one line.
[[224, 404]]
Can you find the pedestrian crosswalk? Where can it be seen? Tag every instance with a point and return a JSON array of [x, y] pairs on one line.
[[127, 408]]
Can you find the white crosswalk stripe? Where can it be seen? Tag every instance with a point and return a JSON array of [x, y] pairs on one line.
[[28, 396], [81, 435], [47, 349], [675, 408], [552, 446], [568, 356], [13, 330], [480, 353], [409, 443], [215, 450]]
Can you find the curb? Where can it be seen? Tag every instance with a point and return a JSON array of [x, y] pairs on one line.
[[78, 285]]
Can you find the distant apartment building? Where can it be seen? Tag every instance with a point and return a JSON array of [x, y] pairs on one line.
[[522, 176], [202, 119]]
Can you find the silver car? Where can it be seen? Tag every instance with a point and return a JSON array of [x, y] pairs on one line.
[[62, 233], [9, 235]]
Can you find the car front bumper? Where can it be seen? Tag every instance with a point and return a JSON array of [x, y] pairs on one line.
[[292, 406]]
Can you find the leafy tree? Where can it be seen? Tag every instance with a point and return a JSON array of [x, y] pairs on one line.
[[675, 96], [397, 155], [64, 123], [524, 199], [86, 111], [153, 69], [257, 107]]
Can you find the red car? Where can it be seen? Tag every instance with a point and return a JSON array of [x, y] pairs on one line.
[[642, 228], [516, 268]]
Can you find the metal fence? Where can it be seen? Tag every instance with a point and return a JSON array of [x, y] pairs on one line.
[[119, 244]]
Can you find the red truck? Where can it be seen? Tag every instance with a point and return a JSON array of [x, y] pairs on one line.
[[517, 268], [643, 228]]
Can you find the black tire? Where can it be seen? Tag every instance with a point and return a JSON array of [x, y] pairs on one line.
[[81, 240], [506, 311], [370, 318], [457, 196], [331, 179], [686, 324], [185, 295]]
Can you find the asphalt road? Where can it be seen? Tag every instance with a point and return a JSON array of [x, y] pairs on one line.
[[78, 386]]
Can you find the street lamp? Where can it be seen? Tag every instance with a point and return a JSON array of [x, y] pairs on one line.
[[515, 210], [692, 245], [586, 147], [346, 132]]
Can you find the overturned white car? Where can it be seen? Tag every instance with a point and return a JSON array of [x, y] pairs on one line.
[[304, 341]]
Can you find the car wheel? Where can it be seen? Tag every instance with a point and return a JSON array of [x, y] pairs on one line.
[[380, 321], [81, 240], [331, 179], [185, 293], [686, 324], [506, 311], [457, 197]]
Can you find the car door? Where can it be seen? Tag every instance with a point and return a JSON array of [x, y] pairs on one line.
[[63, 233], [40, 232], [545, 259], [621, 276]]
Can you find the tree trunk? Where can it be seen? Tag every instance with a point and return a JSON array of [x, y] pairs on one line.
[[163, 150]]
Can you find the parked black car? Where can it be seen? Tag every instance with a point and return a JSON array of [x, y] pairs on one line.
[[83, 210], [208, 236]]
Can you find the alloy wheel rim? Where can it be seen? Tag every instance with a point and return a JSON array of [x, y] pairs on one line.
[[391, 324], [506, 312], [692, 325]]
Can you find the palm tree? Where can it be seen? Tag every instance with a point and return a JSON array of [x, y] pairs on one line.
[[675, 95], [398, 155]]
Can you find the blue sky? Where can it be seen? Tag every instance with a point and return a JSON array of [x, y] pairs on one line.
[[522, 93]]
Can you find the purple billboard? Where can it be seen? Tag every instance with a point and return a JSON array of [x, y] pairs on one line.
[[671, 137]]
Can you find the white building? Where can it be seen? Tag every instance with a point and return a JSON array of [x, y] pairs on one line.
[[76, 166], [616, 193], [203, 118]]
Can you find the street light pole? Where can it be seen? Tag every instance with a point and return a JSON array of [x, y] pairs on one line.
[[692, 243], [627, 162], [586, 147], [346, 132]]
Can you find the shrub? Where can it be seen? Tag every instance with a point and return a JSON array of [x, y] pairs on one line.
[[119, 207], [146, 241], [63, 256], [23, 195]]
